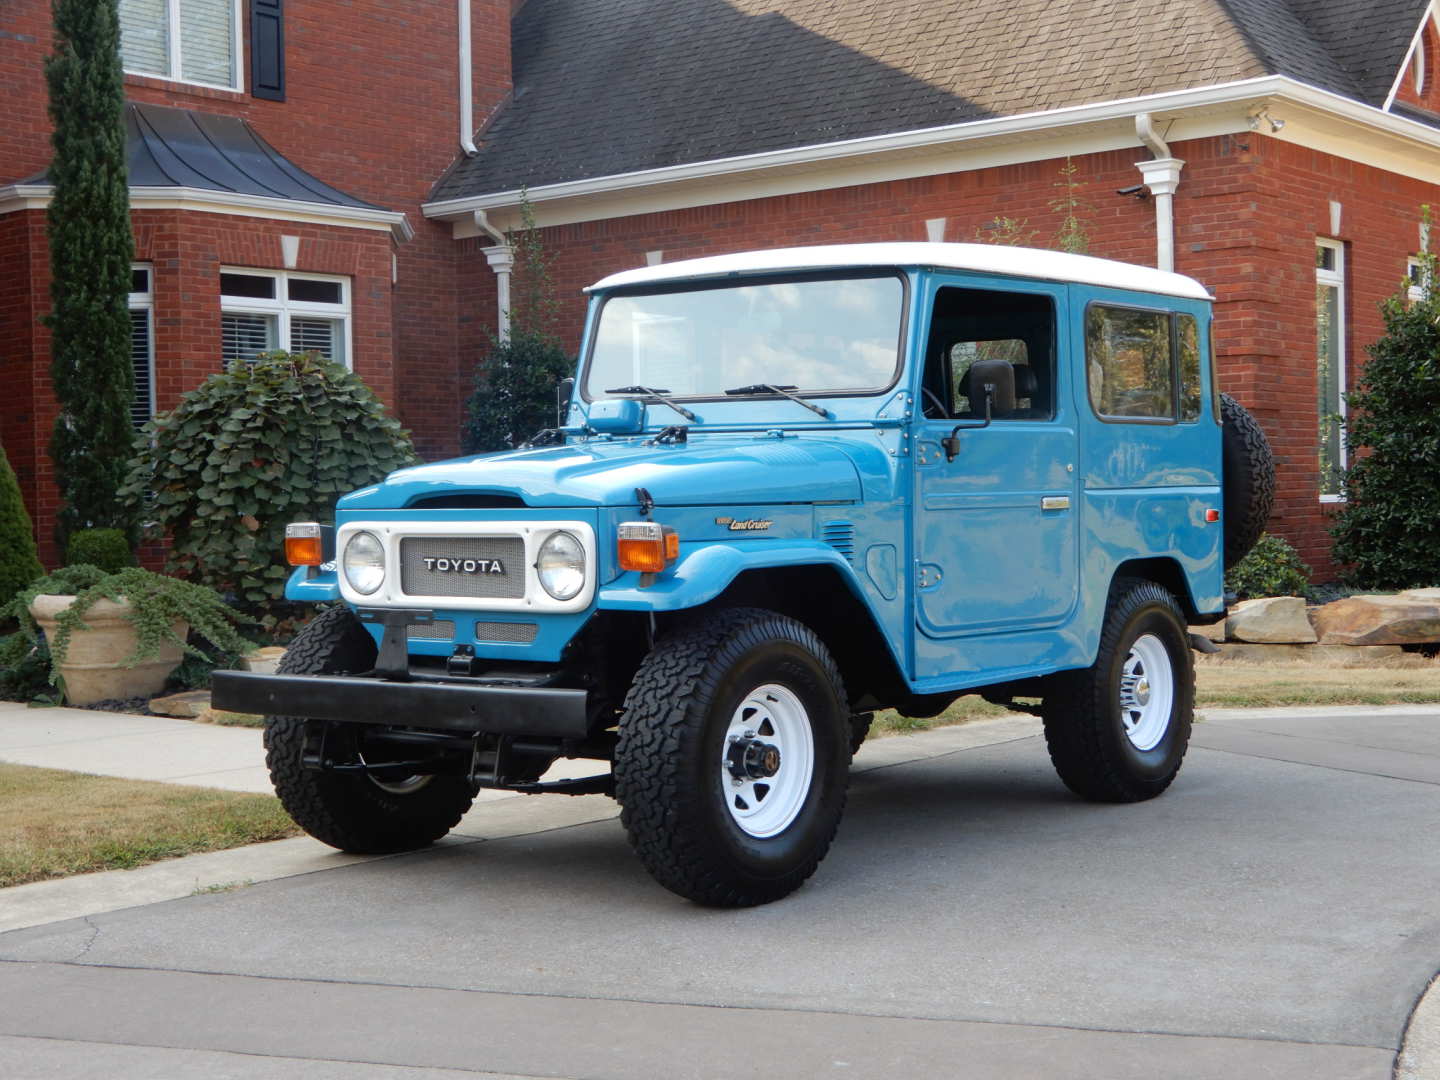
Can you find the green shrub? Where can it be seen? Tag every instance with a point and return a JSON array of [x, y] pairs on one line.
[[514, 395], [109, 549], [1273, 568], [247, 452], [18, 563], [24, 669], [1388, 530]]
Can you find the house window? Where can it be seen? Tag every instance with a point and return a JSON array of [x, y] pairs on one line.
[[195, 41], [1330, 364], [142, 344], [1418, 277], [262, 310]]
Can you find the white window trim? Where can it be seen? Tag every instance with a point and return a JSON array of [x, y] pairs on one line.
[[1415, 290], [237, 27], [1336, 279], [146, 302], [282, 307]]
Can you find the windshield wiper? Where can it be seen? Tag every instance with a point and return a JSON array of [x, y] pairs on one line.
[[652, 394], [783, 391]]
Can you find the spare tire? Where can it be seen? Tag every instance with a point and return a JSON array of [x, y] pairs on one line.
[[1249, 479]]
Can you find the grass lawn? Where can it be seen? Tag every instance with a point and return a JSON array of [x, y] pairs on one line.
[[53, 823], [1236, 684]]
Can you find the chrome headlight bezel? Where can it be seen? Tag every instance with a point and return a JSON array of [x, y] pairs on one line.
[[562, 575], [364, 568]]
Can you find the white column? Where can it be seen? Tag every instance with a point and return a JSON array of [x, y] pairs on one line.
[[501, 258], [1162, 177]]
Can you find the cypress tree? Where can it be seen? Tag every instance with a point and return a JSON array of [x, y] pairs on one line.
[[19, 565], [90, 253]]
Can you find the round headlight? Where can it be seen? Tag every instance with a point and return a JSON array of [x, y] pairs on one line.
[[561, 566], [364, 562]]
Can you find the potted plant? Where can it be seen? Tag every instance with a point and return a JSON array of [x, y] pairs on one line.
[[114, 636]]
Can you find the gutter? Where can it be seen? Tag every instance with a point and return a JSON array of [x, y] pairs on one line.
[[1245, 91], [1162, 177]]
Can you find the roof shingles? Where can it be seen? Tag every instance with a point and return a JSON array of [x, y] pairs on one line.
[[629, 85]]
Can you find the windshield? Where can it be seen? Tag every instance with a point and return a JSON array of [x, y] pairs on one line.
[[813, 334]]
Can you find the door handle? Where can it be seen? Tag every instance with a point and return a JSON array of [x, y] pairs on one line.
[[1055, 502]]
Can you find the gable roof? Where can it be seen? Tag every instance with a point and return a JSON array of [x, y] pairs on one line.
[[629, 85]]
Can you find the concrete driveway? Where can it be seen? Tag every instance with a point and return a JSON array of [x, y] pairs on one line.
[[1275, 914]]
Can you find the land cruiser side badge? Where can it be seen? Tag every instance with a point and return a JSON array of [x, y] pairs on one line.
[[753, 525]]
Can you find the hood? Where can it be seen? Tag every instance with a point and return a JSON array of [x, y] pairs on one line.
[[716, 469]]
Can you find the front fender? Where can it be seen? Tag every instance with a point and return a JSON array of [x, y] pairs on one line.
[[705, 570]]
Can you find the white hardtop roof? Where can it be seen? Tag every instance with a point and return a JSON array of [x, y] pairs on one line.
[[980, 258]]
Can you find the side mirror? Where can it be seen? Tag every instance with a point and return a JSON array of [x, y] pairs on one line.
[[564, 391], [996, 378]]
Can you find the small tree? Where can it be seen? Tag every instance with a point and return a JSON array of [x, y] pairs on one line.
[[90, 253], [1389, 527], [251, 450], [19, 565], [514, 395]]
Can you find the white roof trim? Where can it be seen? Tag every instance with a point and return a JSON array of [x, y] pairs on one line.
[[1031, 263], [37, 197], [1432, 14], [1245, 90]]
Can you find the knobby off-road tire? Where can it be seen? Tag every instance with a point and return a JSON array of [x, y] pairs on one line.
[[702, 831], [1249, 479], [1117, 731], [352, 812]]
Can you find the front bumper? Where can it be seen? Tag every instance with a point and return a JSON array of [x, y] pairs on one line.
[[462, 707]]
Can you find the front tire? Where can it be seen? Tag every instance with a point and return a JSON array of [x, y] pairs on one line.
[[352, 812], [1118, 730], [732, 760]]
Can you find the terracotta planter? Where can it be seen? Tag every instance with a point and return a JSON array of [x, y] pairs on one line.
[[94, 668]]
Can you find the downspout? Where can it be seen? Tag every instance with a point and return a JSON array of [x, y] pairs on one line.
[[501, 258], [467, 77], [1162, 177]]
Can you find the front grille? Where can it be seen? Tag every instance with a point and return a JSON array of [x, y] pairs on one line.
[[518, 632], [463, 566], [438, 630]]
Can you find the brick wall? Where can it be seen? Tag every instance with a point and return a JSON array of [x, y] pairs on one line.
[[372, 108], [1248, 213]]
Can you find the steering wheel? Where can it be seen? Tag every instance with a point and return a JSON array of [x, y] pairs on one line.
[[933, 407]]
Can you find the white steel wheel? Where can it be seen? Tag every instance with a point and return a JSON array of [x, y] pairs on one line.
[[1147, 692], [768, 763]]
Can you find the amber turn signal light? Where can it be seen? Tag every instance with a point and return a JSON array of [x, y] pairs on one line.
[[303, 544], [646, 546]]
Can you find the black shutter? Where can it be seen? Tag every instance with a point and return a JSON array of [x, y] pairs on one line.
[[267, 49]]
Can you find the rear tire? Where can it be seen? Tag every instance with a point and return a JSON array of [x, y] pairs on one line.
[[348, 811], [732, 761], [1118, 730]]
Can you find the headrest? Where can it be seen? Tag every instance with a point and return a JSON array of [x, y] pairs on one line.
[[1026, 384]]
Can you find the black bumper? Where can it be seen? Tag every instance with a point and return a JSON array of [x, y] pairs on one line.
[[493, 710]]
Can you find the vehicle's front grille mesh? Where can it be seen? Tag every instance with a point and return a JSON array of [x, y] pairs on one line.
[[469, 566], [438, 630], [518, 632]]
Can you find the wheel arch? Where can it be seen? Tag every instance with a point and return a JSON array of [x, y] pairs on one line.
[[1165, 572]]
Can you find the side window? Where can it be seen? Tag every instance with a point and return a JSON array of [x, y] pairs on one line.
[[968, 325], [1128, 363], [1187, 344]]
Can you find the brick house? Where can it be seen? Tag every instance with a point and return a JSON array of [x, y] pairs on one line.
[[1278, 150]]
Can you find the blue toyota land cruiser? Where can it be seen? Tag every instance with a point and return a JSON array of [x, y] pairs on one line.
[[790, 487]]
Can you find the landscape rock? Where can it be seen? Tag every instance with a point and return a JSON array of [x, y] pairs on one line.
[[1331, 656], [264, 660], [1429, 596], [1379, 620], [188, 705], [1214, 632], [1271, 620]]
